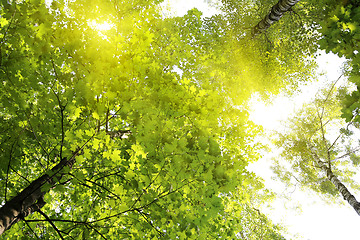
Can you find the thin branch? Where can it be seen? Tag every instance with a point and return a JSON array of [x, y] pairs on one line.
[[95, 183], [347, 127], [333, 144], [8, 169], [36, 138], [96, 231], [317, 129], [110, 174], [151, 182], [323, 136], [107, 120], [347, 154], [56, 220], [112, 216], [51, 223], [322, 125], [27, 224], [328, 95], [62, 108], [150, 223], [19, 174], [7, 29]]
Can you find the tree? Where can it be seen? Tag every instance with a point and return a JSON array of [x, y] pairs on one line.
[[341, 36], [287, 46], [138, 131], [337, 25], [335, 21], [340, 31], [274, 15], [319, 148]]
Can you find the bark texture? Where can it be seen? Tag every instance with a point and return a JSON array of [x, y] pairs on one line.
[[31, 198], [274, 15], [338, 184], [344, 191]]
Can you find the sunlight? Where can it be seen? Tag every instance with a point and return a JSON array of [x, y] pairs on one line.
[[270, 116], [105, 26], [101, 28]]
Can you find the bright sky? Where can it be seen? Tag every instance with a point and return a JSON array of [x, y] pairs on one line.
[[180, 7], [316, 220]]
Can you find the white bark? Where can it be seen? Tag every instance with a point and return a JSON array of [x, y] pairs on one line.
[[274, 15], [346, 194], [343, 190]]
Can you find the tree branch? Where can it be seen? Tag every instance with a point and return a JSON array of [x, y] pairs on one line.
[[51, 223]]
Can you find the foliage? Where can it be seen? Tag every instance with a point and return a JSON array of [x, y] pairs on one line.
[[286, 47], [317, 136], [340, 35], [339, 30], [152, 109]]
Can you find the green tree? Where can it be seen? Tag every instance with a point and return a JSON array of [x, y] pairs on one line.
[[286, 47], [139, 131], [341, 36], [340, 33], [320, 149]]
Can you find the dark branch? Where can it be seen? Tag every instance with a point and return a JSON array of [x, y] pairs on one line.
[[51, 223]]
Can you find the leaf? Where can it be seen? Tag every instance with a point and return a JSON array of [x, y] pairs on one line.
[[107, 154], [46, 187], [60, 188], [96, 115], [3, 22], [115, 155], [80, 159]]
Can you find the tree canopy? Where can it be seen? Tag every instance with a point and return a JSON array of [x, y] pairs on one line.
[[321, 149], [119, 123]]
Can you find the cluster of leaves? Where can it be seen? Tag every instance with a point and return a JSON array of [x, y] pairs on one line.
[[341, 35], [318, 136], [283, 51], [153, 110], [340, 31]]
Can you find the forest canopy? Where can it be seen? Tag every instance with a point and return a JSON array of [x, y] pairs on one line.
[[119, 123]]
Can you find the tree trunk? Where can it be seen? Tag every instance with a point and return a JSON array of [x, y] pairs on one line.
[[275, 14], [31, 198], [337, 183], [343, 190]]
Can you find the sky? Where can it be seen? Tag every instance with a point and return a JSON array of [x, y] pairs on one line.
[[316, 220]]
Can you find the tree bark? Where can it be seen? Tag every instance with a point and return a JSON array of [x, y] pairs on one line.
[[338, 184], [343, 190], [275, 14], [31, 199]]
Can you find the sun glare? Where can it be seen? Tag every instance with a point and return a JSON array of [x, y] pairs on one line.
[[104, 26]]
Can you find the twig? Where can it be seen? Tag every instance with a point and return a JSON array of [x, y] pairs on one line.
[[51, 223], [27, 224]]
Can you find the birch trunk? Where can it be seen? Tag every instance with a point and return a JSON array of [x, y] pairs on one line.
[[338, 184], [31, 198], [275, 14], [343, 190]]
